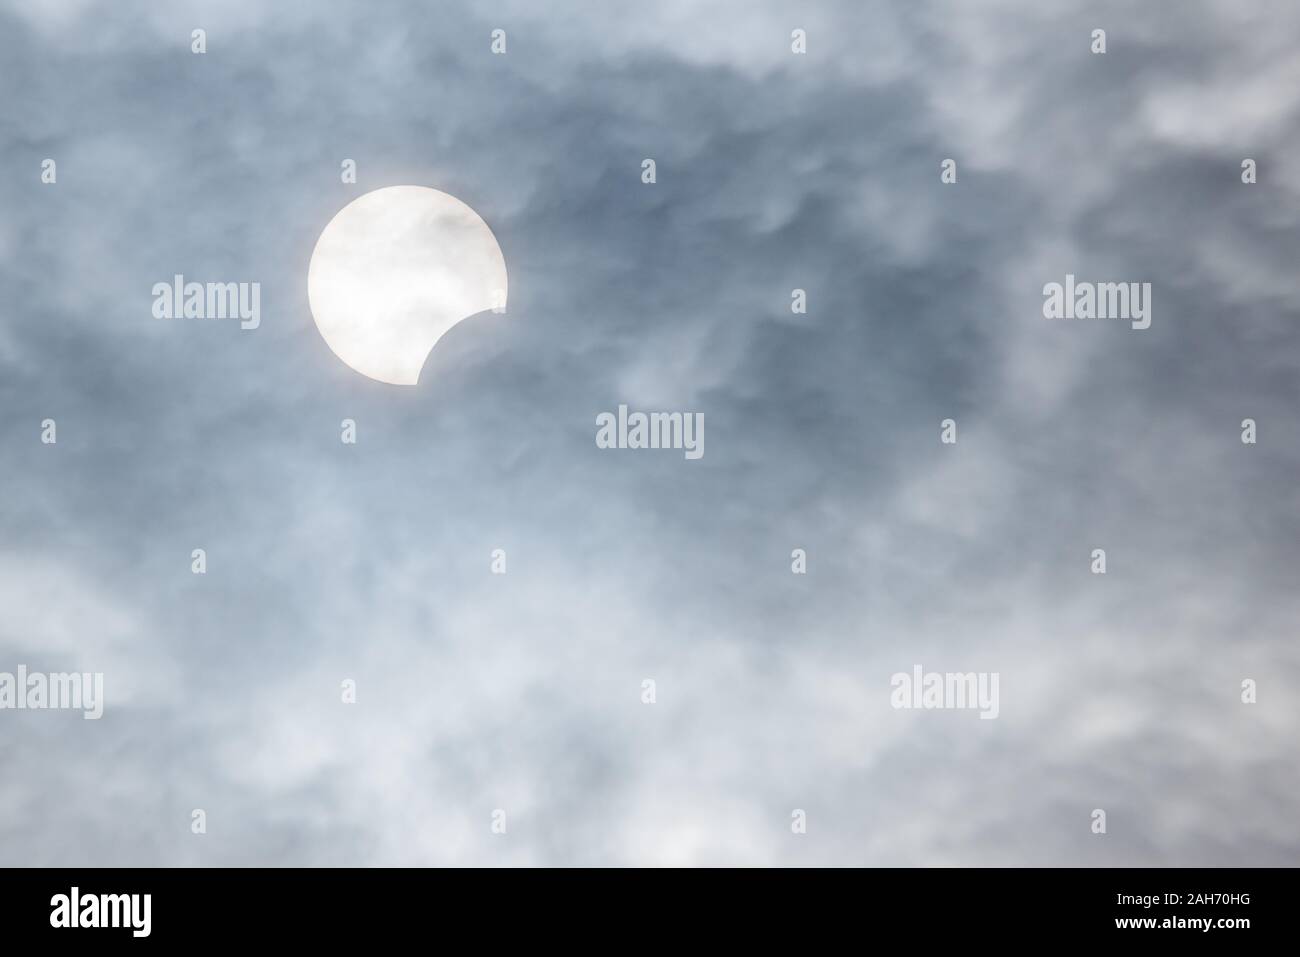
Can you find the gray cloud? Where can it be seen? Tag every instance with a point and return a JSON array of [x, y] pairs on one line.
[[522, 691]]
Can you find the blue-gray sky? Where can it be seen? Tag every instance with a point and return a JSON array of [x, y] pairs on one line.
[[523, 691]]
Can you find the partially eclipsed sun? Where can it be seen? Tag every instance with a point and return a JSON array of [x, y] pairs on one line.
[[394, 271]]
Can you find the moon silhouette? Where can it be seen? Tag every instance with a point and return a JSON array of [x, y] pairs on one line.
[[393, 271]]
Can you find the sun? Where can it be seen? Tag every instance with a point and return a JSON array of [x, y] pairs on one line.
[[394, 270]]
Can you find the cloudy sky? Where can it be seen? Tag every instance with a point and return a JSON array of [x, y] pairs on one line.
[[522, 691]]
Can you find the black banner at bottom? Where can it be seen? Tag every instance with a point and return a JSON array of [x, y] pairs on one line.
[[112, 907]]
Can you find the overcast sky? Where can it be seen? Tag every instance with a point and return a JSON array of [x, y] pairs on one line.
[[522, 691]]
